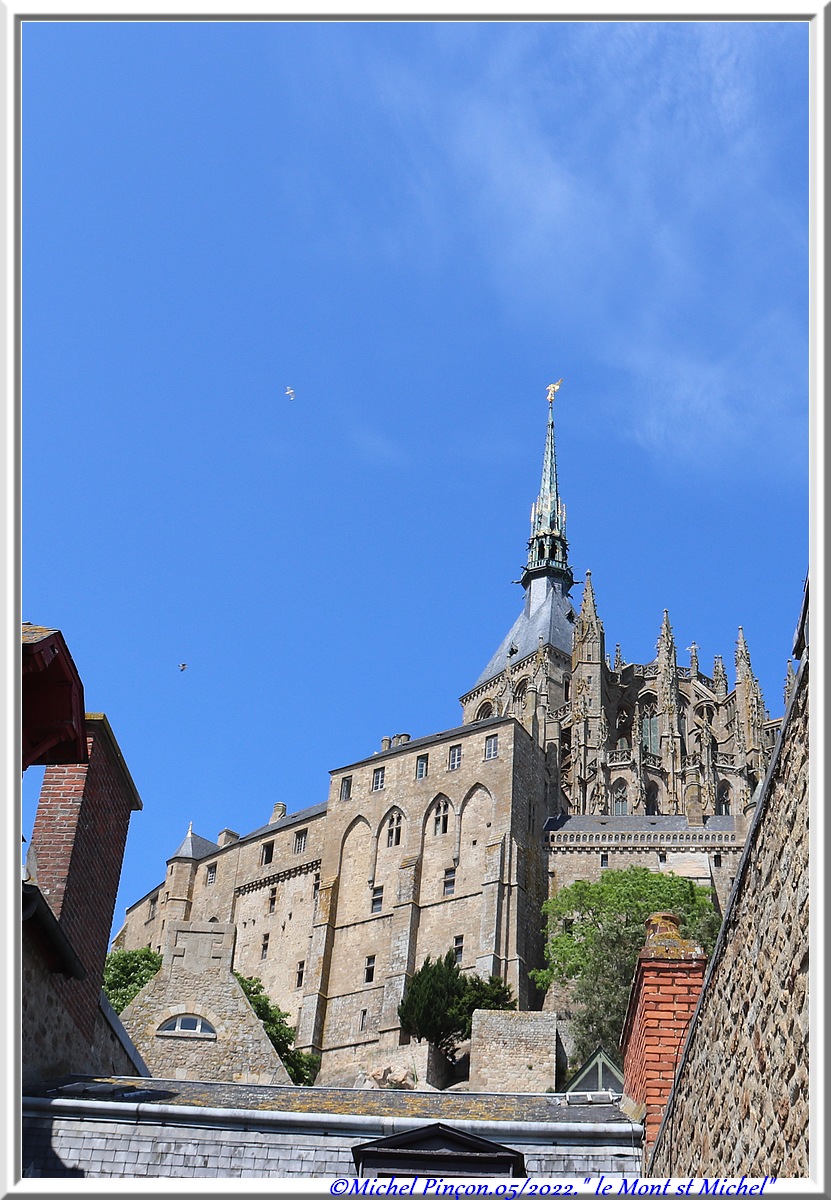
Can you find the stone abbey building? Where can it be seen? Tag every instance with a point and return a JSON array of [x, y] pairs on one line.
[[565, 763]]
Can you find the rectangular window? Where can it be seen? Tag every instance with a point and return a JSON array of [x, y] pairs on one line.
[[449, 881], [315, 888], [362, 1021], [454, 758], [266, 853], [716, 860], [492, 746], [210, 874], [421, 766], [346, 787], [378, 779], [377, 899], [264, 946], [369, 969], [301, 967], [662, 856], [604, 860], [153, 902], [459, 947], [300, 841], [272, 900]]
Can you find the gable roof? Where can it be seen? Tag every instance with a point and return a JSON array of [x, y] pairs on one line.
[[437, 1148], [597, 1074]]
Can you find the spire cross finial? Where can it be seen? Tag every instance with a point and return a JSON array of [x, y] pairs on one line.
[[553, 388]]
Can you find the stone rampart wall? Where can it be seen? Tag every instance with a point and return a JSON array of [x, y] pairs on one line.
[[740, 1102]]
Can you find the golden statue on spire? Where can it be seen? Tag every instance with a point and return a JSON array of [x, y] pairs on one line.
[[553, 388]]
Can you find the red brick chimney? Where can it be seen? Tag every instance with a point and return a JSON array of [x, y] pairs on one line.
[[664, 994], [76, 854]]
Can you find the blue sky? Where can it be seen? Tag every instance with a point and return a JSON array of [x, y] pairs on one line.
[[416, 227]]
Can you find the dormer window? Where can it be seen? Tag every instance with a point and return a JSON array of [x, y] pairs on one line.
[[187, 1025]]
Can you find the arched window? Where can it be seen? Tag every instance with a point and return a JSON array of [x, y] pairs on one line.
[[485, 710], [652, 809], [619, 805], [723, 800], [520, 692], [682, 727], [440, 817], [188, 1024], [394, 829], [649, 728]]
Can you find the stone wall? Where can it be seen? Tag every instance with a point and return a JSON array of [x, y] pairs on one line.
[[740, 1102], [514, 1051], [52, 1045], [195, 979]]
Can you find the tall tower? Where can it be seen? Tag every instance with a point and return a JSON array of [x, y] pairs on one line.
[[529, 675]]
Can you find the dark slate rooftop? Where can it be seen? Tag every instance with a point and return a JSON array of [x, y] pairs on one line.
[[553, 619], [430, 740], [194, 846], [637, 823], [295, 818], [592, 1109]]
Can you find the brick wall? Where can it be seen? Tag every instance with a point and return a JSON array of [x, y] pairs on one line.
[[664, 994], [77, 849], [740, 1104]]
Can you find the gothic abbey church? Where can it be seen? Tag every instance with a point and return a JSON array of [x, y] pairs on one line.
[[564, 764]]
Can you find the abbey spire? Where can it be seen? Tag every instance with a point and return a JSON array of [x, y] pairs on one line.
[[544, 630], [547, 547]]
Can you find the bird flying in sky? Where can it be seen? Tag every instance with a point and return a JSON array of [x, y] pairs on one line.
[[183, 666], [290, 393]]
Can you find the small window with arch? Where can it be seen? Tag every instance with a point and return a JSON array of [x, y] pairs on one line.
[[189, 1024], [394, 829], [440, 817]]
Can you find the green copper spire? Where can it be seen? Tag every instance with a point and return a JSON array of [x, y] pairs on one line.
[[548, 548]]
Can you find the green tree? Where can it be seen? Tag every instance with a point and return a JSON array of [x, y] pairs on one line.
[[595, 932], [126, 972], [302, 1067], [481, 993], [439, 1002]]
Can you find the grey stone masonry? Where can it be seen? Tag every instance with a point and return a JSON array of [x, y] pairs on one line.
[[195, 981], [740, 1100], [513, 1051]]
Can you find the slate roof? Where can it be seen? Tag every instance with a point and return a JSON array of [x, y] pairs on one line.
[[551, 619], [295, 818], [381, 1102], [637, 823], [194, 846], [429, 740]]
